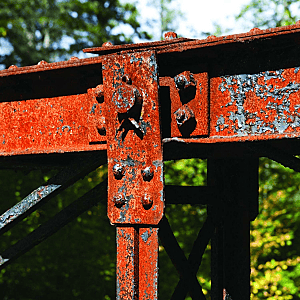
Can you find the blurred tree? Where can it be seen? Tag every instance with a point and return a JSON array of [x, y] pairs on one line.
[[36, 30], [270, 13], [167, 16]]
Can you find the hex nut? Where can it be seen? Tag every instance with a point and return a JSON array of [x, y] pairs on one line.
[[147, 202], [118, 171], [170, 35], [184, 80], [119, 201], [183, 115], [147, 173]]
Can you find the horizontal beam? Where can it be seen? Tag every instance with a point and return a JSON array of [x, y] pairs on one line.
[[282, 157], [55, 185], [91, 198]]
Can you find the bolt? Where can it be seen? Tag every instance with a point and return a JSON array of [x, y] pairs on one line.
[[184, 80], [118, 171], [147, 202], [119, 201], [147, 174], [102, 131], [170, 35], [180, 81], [107, 44], [180, 115], [99, 93]]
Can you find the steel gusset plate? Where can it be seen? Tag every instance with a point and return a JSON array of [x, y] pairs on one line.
[[135, 167]]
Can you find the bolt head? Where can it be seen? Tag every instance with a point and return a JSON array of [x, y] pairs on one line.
[[118, 171], [107, 44], [119, 200], [102, 131], [180, 116], [147, 202], [180, 81], [147, 173], [170, 35]]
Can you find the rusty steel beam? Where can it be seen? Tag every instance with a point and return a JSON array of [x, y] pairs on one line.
[[137, 270], [237, 183], [66, 177], [79, 206], [190, 97], [253, 100], [195, 258], [180, 261]]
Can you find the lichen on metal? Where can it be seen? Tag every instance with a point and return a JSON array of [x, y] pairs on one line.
[[256, 104], [135, 194], [28, 202]]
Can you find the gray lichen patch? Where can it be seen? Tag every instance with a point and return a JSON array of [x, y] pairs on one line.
[[263, 103]]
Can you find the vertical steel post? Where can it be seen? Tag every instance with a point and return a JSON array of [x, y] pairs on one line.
[[237, 183], [135, 169]]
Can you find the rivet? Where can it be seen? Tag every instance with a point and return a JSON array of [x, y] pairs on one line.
[[12, 67], [42, 62], [255, 29], [73, 58], [102, 131], [107, 44], [119, 201], [147, 173], [118, 171], [147, 202], [210, 37], [170, 35], [180, 116]]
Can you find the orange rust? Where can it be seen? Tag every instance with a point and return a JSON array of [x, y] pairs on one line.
[[134, 139]]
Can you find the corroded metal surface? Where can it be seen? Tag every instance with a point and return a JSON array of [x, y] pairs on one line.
[[135, 170], [189, 104], [27, 203], [263, 104], [137, 270], [181, 45], [213, 91], [47, 125]]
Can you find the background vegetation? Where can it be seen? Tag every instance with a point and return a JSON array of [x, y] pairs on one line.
[[79, 261]]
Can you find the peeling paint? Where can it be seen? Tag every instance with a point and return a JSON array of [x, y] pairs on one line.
[[255, 104], [28, 202]]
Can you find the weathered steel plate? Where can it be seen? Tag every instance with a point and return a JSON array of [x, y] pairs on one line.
[[135, 167]]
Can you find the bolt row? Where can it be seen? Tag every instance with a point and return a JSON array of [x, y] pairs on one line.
[[147, 174]]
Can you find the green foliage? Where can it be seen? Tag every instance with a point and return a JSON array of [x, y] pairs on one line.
[[186, 221], [270, 13], [76, 263], [38, 30], [275, 271], [168, 15]]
